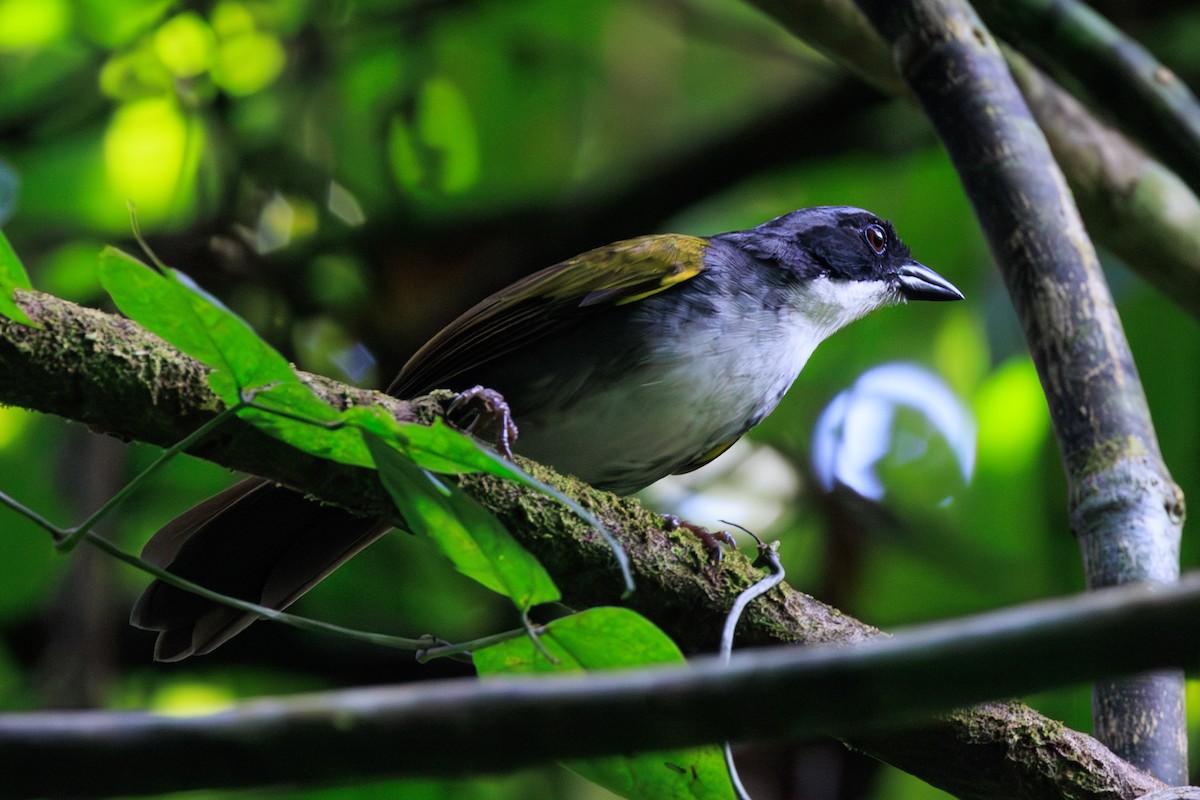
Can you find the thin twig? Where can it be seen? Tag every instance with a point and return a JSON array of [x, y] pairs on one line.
[[767, 554]]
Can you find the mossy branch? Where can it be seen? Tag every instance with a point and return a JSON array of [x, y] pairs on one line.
[[117, 378]]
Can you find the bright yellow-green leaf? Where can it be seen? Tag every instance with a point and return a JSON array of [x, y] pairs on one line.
[[151, 155], [189, 699], [13, 421], [248, 59], [232, 18], [185, 44], [134, 75]]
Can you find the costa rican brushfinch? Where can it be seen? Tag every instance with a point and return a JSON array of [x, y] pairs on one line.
[[635, 360]]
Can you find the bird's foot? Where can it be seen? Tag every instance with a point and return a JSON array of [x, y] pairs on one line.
[[483, 409], [714, 542]]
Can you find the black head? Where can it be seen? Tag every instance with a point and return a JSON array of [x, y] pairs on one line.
[[844, 244]]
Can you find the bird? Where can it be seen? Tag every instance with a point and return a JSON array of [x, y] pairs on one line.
[[635, 360]]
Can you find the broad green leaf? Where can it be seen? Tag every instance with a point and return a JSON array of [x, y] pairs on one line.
[[12, 276], [172, 306], [236, 347], [474, 540], [148, 298], [440, 448], [290, 417], [617, 638]]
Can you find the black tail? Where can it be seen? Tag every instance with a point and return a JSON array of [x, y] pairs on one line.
[[256, 541]]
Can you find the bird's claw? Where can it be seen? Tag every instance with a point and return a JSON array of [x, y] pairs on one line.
[[713, 541], [484, 408]]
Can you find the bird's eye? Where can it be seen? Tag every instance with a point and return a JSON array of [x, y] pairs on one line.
[[876, 238]]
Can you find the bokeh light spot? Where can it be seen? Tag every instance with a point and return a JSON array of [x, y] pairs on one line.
[[31, 24], [884, 425], [1012, 414], [185, 45], [344, 205], [146, 153], [191, 699], [12, 422]]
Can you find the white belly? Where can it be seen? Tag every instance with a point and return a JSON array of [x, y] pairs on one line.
[[707, 380]]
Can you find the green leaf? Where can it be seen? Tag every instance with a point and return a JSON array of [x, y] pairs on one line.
[[288, 412], [437, 447], [617, 638], [443, 449], [171, 305], [437, 151], [12, 276], [474, 540]]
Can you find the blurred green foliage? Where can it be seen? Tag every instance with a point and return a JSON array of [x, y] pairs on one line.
[[350, 175]]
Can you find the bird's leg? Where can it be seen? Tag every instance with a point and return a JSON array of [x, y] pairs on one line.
[[482, 408], [713, 542]]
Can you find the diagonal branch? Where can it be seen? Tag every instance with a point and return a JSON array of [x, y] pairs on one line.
[[1133, 204], [1076, 44], [114, 376]]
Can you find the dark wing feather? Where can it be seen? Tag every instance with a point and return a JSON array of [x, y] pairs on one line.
[[548, 301]]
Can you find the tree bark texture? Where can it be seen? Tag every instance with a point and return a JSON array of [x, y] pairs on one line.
[[1133, 204], [114, 376], [1125, 510]]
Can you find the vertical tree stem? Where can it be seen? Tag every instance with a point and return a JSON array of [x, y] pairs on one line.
[[1125, 510]]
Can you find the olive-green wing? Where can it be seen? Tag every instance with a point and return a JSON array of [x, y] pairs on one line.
[[549, 301]]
